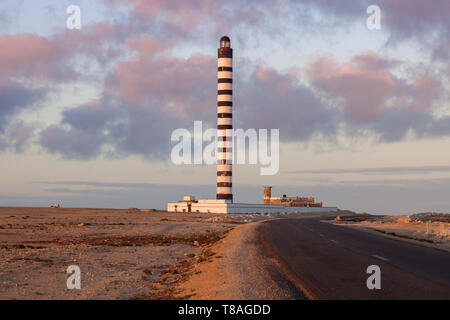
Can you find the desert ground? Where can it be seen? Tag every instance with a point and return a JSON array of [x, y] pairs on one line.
[[122, 254], [147, 254], [428, 229]]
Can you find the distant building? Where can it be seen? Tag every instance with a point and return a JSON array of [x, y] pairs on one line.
[[289, 201]]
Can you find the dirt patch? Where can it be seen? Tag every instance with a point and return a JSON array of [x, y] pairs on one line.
[[238, 268], [135, 253], [121, 254], [166, 287]]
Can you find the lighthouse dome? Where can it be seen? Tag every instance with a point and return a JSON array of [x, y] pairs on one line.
[[224, 42]]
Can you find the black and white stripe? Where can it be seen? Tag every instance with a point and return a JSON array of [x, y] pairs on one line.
[[224, 120]]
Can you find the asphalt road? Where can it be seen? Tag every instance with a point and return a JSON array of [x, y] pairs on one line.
[[330, 262]]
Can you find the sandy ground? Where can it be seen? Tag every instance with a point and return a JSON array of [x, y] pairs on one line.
[[238, 270], [121, 254], [403, 227], [242, 269], [126, 254], [133, 254]]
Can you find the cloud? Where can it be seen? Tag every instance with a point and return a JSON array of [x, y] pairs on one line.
[[30, 67], [32, 56], [151, 89], [122, 128], [28, 54], [18, 135], [417, 20], [373, 98], [114, 185], [14, 98], [72, 143], [382, 170], [185, 14], [404, 18], [85, 192], [271, 99], [362, 87], [153, 93], [149, 95], [397, 122], [196, 19], [86, 132], [157, 76], [441, 51], [145, 98]]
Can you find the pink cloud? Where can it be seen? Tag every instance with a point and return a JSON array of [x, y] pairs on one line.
[[88, 39], [27, 54], [179, 85], [413, 17], [180, 18], [282, 84], [372, 61], [425, 90], [19, 133], [366, 84], [33, 56], [147, 45], [186, 13], [274, 99], [363, 88]]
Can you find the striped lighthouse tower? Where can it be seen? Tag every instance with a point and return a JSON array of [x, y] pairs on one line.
[[224, 120]]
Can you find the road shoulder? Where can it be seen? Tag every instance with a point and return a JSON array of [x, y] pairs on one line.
[[395, 235], [240, 270]]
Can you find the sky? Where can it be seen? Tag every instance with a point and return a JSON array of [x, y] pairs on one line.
[[86, 115]]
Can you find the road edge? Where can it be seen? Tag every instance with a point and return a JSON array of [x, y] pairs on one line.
[[241, 271]]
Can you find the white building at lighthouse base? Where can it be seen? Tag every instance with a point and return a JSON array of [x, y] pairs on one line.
[[225, 206]]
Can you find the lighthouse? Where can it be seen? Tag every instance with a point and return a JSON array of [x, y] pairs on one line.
[[223, 203], [224, 120]]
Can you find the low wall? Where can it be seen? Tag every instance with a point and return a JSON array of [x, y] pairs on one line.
[[223, 207], [251, 208]]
